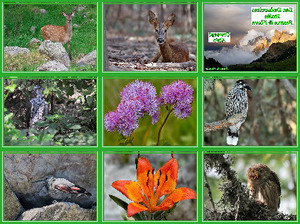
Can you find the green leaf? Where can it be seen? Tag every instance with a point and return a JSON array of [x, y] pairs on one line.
[[89, 100], [76, 127], [124, 205]]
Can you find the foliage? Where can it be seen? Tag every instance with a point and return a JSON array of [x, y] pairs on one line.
[[71, 119], [19, 20]]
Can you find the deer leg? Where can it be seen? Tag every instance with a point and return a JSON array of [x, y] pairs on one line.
[[155, 57], [68, 44]]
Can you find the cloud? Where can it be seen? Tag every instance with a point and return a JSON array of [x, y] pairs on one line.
[[235, 55]]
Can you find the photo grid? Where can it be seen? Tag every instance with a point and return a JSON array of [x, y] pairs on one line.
[[149, 111]]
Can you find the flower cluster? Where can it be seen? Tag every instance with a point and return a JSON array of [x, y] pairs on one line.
[[179, 95], [137, 99]]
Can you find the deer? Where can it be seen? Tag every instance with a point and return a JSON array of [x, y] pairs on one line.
[[169, 50], [60, 34]]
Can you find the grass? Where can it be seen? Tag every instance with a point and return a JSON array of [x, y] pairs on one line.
[[19, 18]]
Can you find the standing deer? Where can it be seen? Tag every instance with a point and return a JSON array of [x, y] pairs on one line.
[[170, 50], [60, 34]]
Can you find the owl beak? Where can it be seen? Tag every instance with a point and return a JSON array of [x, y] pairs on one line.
[[255, 177]]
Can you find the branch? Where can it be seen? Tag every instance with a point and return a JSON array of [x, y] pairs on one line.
[[289, 88], [223, 124]]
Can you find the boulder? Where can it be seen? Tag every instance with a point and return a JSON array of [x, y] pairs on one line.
[[12, 206], [21, 170], [16, 50], [59, 211], [52, 66], [56, 51], [89, 59]]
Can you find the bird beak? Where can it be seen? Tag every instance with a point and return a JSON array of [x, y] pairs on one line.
[[38, 180], [248, 87]]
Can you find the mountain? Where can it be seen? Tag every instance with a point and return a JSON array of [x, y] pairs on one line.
[[278, 51]]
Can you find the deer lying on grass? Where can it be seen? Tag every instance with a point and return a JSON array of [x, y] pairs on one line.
[[60, 34], [170, 51]]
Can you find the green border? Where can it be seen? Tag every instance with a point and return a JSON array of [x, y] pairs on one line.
[[101, 75]]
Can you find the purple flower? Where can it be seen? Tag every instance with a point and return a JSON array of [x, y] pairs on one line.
[[137, 99], [179, 95], [145, 94], [124, 119]]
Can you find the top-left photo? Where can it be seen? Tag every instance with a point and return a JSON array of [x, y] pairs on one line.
[[50, 37]]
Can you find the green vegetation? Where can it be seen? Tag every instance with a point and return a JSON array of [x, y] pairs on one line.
[[18, 20], [285, 65], [71, 119]]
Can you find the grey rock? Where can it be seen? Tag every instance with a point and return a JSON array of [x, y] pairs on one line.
[[89, 59], [43, 11], [34, 41], [16, 50], [55, 51], [76, 26], [80, 8], [32, 29], [52, 66], [21, 170], [59, 211], [12, 206]]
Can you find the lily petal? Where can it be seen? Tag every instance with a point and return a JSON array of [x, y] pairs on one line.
[[165, 179], [179, 194], [145, 174], [134, 208], [130, 189]]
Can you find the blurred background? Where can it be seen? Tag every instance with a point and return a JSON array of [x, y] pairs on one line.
[[272, 113], [284, 165], [123, 167], [175, 132]]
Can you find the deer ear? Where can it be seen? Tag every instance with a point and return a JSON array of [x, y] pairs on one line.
[[170, 20], [152, 18], [73, 13], [64, 14]]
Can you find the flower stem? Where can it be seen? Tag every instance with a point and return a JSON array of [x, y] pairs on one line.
[[159, 131]]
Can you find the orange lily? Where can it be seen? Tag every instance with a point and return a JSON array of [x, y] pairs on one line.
[[142, 193]]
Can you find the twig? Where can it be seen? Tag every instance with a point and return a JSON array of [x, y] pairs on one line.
[[209, 192], [223, 124], [289, 88]]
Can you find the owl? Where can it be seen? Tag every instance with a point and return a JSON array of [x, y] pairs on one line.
[[264, 186]]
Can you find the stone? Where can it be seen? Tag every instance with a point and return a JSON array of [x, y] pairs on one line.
[[52, 66], [21, 170], [16, 50], [43, 11], [59, 211], [34, 41], [55, 51], [12, 206], [32, 29], [89, 59]]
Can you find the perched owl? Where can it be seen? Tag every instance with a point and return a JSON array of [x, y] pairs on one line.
[[264, 185]]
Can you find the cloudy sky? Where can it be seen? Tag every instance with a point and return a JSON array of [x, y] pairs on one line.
[[236, 18]]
